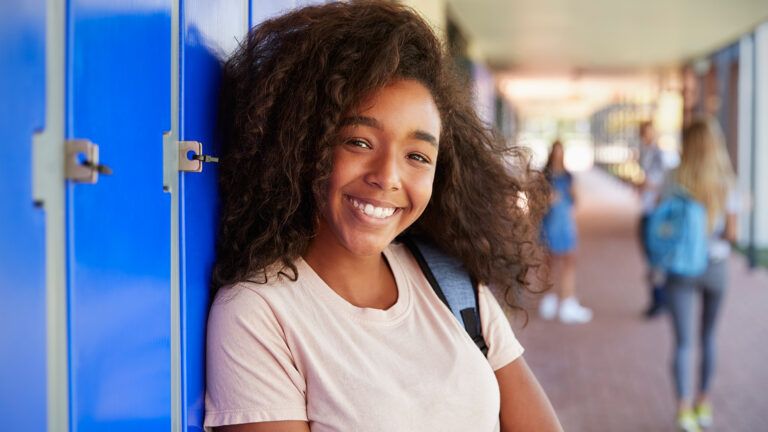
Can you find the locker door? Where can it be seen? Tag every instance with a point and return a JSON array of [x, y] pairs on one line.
[[119, 228], [22, 226], [210, 32]]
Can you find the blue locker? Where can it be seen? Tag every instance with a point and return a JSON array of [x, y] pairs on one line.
[[118, 260], [22, 226], [210, 32]]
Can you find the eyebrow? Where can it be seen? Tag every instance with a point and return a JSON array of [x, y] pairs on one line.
[[372, 122]]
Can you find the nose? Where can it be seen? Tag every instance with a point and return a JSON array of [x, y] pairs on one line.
[[384, 173]]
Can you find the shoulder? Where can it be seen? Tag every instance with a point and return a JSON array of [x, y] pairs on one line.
[[248, 318], [250, 291], [489, 305], [503, 346], [254, 301]]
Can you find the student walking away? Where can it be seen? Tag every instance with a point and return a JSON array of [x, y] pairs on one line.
[[705, 181], [559, 236], [344, 128], [652, 163]]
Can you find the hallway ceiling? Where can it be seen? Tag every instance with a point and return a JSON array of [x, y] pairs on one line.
[[607, 35]]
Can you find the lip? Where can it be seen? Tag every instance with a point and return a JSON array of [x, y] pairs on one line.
[[370, 219], [374, 202]]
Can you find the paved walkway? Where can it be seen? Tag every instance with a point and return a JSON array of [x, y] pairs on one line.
[[613, 373]]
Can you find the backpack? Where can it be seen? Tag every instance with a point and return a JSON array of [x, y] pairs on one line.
[[452, 284], [676, 235]]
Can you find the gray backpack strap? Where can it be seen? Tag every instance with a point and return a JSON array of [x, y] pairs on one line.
[[452, 284]]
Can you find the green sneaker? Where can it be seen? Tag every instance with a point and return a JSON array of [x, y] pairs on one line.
[[687, 422], [704, 414]]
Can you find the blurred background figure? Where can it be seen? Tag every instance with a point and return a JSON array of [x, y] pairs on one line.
[[559, 236], [705, 173], [651, 162]]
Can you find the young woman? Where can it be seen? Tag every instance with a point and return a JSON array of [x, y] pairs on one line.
[[344, 129], [705, 173], [559, 236]]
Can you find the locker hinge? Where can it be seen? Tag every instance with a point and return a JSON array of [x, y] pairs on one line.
[[83, 161], [191, 157]]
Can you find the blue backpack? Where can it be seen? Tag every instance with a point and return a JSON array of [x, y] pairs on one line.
[[676, 235], [451, 283]]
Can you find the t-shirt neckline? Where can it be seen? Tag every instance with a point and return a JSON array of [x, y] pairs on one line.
[[313, 283]]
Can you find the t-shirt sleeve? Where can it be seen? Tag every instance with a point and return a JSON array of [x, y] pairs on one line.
[[250, 373], [503, 346]]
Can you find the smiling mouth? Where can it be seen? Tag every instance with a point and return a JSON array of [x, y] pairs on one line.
[[371, 210]]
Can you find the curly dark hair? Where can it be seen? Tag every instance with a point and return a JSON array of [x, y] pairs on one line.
[[285, 91]]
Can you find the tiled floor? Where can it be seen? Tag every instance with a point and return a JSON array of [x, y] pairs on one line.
[[613, 374]]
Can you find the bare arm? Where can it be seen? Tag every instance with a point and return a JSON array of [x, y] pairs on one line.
[[275, 426], [524, 405], [731, 230], [573, 193]]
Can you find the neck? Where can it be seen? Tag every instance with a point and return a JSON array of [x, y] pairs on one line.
[[362, 280]]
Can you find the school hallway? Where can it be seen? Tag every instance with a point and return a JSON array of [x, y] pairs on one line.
[[613, 374]]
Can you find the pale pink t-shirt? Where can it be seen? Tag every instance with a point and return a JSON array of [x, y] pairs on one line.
[[290, 350]]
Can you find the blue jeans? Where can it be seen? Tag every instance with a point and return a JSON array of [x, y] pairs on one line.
[[681, 298]]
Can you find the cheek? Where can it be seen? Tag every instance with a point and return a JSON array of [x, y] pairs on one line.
[[342, 171], [422, 191]]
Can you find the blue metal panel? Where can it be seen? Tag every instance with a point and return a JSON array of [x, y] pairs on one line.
[[22, 236], [210, 31], [119, 229]]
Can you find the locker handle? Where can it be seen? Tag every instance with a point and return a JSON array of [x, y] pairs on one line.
[[83, 161], [102, 169], [206, 158], [193, 163]]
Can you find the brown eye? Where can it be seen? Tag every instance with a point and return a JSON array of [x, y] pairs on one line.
[[359, 143], [418, 157]]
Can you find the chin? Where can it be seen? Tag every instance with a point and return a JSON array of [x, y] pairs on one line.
[[362, 245]]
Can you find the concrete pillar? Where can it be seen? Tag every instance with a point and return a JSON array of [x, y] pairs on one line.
[[753, 111]]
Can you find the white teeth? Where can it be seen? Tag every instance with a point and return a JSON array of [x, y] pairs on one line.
[[371, 210]]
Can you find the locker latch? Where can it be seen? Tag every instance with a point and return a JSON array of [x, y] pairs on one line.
[[191, 157], [83, 161]]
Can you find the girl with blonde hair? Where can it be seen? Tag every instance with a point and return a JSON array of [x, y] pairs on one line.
[[705, 173]]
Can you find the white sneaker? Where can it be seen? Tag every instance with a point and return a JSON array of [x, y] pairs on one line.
[[571, 312], [548, 306], [686, 421]]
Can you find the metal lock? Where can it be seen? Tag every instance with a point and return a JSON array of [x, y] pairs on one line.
[[193, 163], [82, 161]]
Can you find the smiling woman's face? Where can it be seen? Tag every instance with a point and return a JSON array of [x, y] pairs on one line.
[[383, 168]]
